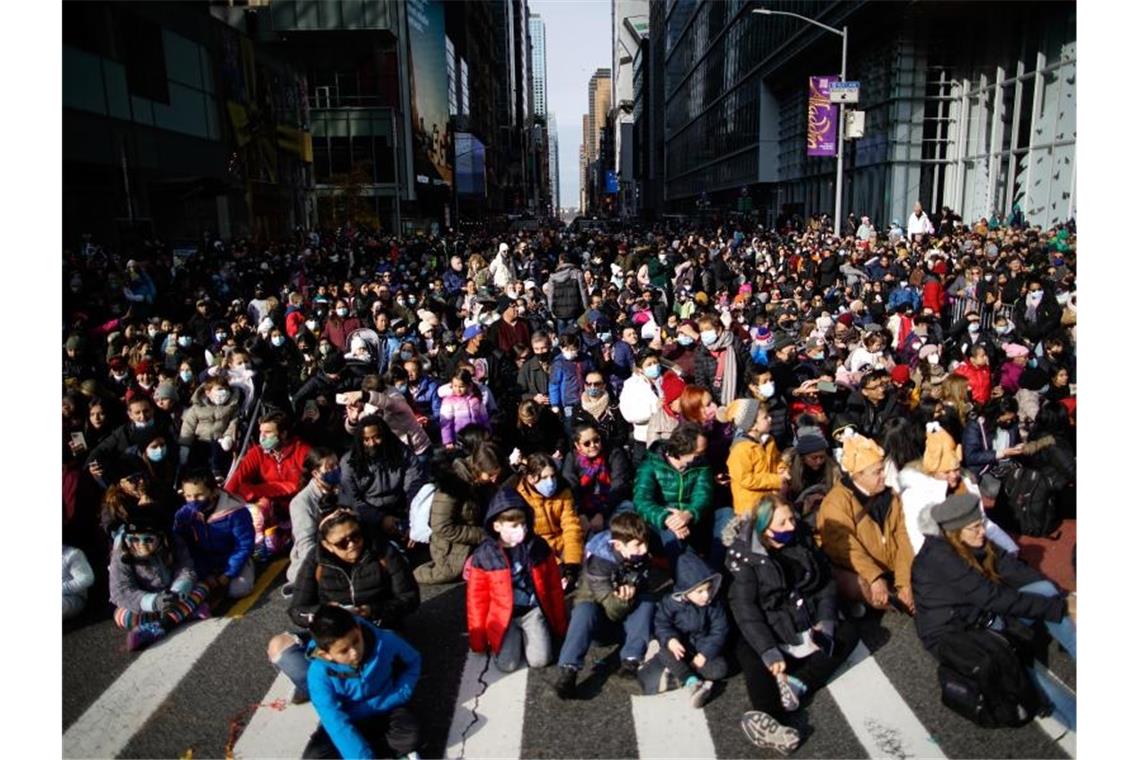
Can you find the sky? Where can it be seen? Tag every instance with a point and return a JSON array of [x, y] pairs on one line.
[[577, 44]]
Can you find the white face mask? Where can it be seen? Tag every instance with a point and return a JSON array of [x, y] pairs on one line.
[[932, 358], [311, 324], [569, 355], [219, 396], [512, 535], [767, 390]]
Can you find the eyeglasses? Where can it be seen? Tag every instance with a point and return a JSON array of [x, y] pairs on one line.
[[590, 442], [150, 539], [352, 538]]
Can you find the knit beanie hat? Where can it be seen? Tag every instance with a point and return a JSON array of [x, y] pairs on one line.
[[941, 453], [809, 439], [742, 413], [900, 373], [1014, 350], [957, 512], [166, 390], [859, 453], [672, 386]]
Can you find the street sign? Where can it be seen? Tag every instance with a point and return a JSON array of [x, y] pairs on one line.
[[853, 127], [844, 92]]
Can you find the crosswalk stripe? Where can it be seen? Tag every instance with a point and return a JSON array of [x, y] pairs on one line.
[[278, 728], [473, 733], [667, 726], [878, 715], [110, 722], [266, 577]]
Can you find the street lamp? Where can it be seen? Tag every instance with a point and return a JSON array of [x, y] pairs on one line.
[[842, 107]]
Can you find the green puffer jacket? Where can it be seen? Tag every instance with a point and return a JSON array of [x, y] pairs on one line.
[[660, 488]]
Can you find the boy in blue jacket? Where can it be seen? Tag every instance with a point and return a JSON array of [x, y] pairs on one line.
[[359, 696], [568, 377], [691, 626]]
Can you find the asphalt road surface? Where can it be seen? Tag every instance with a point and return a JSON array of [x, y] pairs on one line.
[[208, 691]]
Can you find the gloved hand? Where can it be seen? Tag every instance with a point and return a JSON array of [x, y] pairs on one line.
[[167, 600], [570, 574], [226, 442]]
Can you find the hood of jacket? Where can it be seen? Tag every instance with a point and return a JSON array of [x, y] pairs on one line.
[[600, 546], [507, 498], [198, 398], [456, 479], [693, 572], [564, 272], [739, 531]]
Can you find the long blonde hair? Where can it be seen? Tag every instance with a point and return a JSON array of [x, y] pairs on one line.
[[956, 395]]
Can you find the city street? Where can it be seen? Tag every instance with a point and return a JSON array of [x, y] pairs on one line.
[[209, 690]]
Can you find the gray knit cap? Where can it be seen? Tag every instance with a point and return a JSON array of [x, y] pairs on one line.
[[957, 512]]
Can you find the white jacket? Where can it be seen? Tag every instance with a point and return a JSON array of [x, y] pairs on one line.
[[502, 271], [638, 402], [919, 225], [918, 492], [77, 573]]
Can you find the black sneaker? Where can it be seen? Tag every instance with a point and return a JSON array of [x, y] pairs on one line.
[[629, 668], [287, 590], [566, 682]]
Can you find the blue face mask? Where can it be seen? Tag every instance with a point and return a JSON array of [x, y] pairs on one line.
[[653, 371], [684, 340], [332, 477], [156, 455], [547, 486], [605, 337], [402, 387], [405, 355], [186, 375], [708, 337], [184, 340], [278, 340], [196, 504], [782, 536]]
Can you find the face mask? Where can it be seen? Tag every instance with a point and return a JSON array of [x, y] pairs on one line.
[[1004, 329], [196, 504], [332, 477], [143, 425], [653, 372], [708, 337], [411, 302], [547, 487], [974, 328], [152, 331], [184, 340], [595, 392], [605, 337], [570, 355], [342, 312], [311, 324], [399, 302], [269, 442], [405, 355], [156, 455], [186, 375], [543, 356], [325, 349], [684, 340], [220, 337], [662, 258], [1035, 297], [220, 396], [240, 368], [512, 535], [402, 387], [278, 340], [767, 390], [782, 536]]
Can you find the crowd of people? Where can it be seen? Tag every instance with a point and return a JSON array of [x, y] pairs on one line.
[[715, 447]]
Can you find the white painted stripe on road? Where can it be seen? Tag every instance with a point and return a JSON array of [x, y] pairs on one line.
[[277, 730], [877, 713], [110, 723], [1066, 739], [668, 727], [497, 712]]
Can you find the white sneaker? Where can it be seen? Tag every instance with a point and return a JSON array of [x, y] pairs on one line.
[[788, 698], [699, 693], [768, 733]]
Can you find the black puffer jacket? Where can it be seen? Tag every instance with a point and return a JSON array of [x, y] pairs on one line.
[[704, 628], [951, 596], [769, 607], [380, 579]]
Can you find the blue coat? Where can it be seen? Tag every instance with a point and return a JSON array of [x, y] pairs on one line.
[[703, 629], [220, 544], [568, 380], [342, 694], [977, 453]]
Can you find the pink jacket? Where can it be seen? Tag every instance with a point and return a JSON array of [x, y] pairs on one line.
[[457, 412]]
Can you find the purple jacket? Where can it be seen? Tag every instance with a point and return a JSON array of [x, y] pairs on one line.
[[457, 412], [1010, 374]]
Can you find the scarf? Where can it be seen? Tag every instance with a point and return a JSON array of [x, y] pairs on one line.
[[594, 480], [726, 371], [596, 406], [877, 506]]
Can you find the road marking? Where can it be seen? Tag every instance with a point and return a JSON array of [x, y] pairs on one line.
[[1066, 739], [278, 728], [494, 726], [243, 605], [113, 719], [885, 725], [667, 726]]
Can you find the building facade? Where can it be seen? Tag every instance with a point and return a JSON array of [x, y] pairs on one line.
[[594, 124], [630, 24], [552, 161], [977, 119]]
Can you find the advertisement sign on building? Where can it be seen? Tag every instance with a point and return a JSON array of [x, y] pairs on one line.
[[470, 172], [426, 50], [822, 117]]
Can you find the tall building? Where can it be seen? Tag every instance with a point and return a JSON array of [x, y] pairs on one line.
[[977, 122], [552, 158], [599, 94], [583, 164], [629, 25], [538, 62]]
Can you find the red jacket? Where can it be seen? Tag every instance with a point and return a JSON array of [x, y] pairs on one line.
[[932, 296], [275, 476], [293, 322], [979, 379], [491, 598]]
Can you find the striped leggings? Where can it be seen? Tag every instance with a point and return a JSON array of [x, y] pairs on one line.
[[129, 619]]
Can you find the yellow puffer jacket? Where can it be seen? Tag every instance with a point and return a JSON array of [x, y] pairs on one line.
[[555, 519], [755, 470], [853, 540]]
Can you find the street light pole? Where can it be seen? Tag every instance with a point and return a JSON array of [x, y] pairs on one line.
[[842, 107]]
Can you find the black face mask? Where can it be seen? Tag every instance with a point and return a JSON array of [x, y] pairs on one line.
[[543, 357]]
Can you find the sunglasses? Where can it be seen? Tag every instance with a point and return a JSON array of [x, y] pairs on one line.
[[150, 539], [352, 538], [591, 442]]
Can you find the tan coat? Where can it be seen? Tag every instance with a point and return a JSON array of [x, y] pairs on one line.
[[853, 540], [556, 519]]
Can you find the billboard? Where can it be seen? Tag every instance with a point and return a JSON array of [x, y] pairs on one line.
[[822, 117], [470, 171], [428, 56]]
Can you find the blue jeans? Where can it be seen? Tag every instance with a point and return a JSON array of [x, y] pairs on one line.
[[1065, 634], [588, 619], [295, 666]]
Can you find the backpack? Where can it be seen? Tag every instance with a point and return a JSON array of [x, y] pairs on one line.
[[419, 514], [1030, 500], [984, 679]]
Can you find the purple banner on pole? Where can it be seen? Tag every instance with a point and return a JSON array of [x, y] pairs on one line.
[[823, 117]]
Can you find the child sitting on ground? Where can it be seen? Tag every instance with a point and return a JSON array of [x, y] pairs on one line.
[[77, 578], [514, 591], [692, 627], [618, 588], [358, 695], [152, 582]]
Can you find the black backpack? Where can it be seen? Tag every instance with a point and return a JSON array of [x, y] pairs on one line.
[[985, 679], [1030, 502]]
